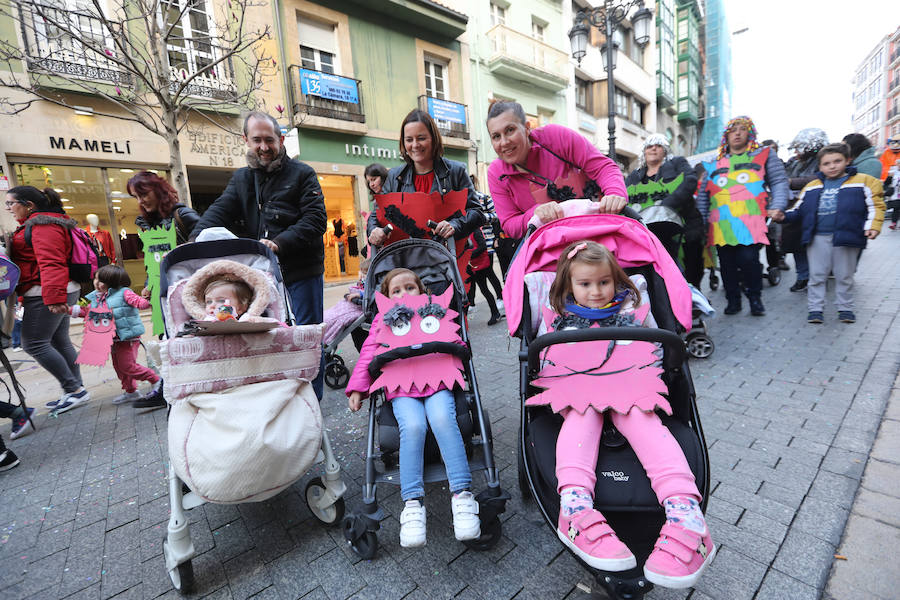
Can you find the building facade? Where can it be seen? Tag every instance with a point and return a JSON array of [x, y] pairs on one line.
[[634, 93], [516, 51], [869, 85], [679, 71], [88, 154], [892, 91], [717, 77], [356, 68]]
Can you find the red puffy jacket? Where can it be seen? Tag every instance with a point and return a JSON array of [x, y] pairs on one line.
[[44, 262]]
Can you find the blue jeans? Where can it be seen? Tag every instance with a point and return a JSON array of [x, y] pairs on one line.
[[17, 334], [741, 270], [801, 261], [440, 410], [306, 301]]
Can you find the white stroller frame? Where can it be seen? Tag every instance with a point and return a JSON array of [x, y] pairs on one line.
[[324, 495]]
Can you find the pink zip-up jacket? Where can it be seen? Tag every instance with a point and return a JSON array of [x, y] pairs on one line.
[[510, 189]]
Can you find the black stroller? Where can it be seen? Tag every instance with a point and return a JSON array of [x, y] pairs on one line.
[[623, 493], [436, 267]]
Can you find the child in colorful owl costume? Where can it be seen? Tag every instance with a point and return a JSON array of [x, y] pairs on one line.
[[737, 189], [420, 389]]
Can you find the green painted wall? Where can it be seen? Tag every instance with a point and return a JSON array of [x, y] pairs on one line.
[[384, 60]]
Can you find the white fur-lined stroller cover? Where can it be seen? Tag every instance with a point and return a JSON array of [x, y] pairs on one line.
[[245, 422]]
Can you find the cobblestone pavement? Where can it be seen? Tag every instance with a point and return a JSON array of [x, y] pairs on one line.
[[790, 411]]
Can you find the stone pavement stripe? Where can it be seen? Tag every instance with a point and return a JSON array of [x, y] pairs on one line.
[[790, 412]]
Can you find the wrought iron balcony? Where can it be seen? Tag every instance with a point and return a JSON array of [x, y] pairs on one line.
[[451, 117], [194, 57], [893, 113], [320, 94], [51, 47], [893, 84]]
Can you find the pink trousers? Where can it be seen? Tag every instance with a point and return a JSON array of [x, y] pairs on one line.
[[578, 446], [124, 360]]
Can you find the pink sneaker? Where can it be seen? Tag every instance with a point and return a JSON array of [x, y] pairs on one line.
[[679, 557], [592, 539]]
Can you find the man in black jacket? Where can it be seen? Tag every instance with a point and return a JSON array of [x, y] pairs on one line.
[[278, 201]]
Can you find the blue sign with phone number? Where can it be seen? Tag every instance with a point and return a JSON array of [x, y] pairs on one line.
[[443, 110], [332, 87]]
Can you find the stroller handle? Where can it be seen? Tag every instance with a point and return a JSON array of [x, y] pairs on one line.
[[382, 359], [672, 343]]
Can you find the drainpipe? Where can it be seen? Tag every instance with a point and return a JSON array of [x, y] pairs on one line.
[[475, 54], [285, 70]]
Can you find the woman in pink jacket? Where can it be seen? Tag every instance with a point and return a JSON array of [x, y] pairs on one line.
[[537, 170]]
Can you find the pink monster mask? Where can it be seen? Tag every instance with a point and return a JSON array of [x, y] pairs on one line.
[[579, 374], [411, 321], [99, 330]]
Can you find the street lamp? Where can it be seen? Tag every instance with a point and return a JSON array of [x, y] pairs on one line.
[[607, 18]]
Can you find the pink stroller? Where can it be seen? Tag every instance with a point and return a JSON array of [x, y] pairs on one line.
[[623, 492]]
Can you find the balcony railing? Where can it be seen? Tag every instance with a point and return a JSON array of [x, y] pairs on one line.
[[190, 57], [51, 46], [451, 117], [509, 45], [320, 94], [895, 54], [893, 84], [894, 112]]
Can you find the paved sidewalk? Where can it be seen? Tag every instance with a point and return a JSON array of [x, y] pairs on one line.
[[790, 412], [873, 529]]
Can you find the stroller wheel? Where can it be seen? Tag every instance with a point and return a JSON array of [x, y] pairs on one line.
[[365, 545], [700, 345], [336, 375], [774, 276], [329, 515], [182, 576], [490, 535]]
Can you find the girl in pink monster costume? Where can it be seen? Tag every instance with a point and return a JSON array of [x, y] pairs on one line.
[[419, 388], [592, 290]]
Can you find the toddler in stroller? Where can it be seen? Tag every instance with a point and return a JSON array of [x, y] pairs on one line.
[[414, 403], [574, 444], [424, 402], [244, 422]]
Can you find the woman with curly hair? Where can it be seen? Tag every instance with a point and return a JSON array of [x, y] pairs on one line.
[[159, 205]]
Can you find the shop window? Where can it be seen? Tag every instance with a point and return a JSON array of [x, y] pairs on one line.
[[343, 228], [318, 46], [435, 78], [84, 191]]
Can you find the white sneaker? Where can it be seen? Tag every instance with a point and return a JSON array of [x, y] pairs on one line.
[[70, 401], [466, 524], [126, 397], [412, 524]]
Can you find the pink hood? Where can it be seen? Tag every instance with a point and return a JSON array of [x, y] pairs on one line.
[[631, 242]]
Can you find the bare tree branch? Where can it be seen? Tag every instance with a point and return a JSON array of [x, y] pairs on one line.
[[120, 55]]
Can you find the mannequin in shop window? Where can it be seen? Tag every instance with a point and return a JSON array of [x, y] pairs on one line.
[[103, 238], [340, 241]]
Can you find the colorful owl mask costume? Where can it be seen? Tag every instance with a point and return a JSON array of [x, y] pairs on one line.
[[410, 321], [738, 199], [99, 331]]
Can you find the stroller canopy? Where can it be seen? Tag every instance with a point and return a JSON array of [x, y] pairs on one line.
[[631, 243]]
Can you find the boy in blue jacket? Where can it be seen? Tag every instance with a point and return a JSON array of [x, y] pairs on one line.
[[839, 212]]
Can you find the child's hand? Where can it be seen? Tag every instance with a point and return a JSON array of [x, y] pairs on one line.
[[354, 401], [776, 215], [872, 234]]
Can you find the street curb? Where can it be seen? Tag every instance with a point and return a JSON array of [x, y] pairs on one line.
[[863, 566]]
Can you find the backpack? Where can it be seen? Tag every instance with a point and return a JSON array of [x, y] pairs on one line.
[[85, 257], [9, 277]]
